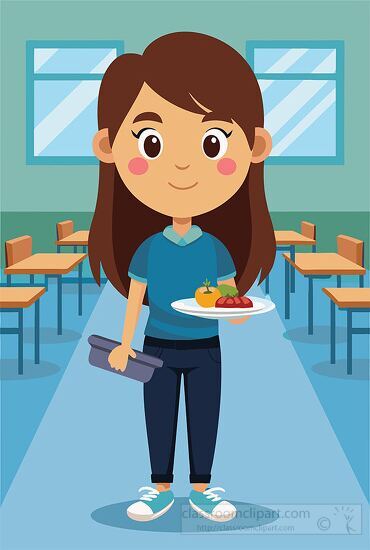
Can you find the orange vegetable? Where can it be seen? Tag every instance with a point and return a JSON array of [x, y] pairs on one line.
[[207, 295]]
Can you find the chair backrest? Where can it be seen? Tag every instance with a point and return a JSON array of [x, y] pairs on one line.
[[351, 248], [18, 249], [64, 229], [308, 230]]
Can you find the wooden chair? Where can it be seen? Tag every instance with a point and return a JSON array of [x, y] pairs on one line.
[[347, 261], [351, 248], [64, 229], [15, 300], [288, 240], [16, 250], [309, 230], [351, 300]]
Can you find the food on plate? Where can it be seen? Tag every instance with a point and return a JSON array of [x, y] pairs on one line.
[[221, 296], [207, 295], [234, 301], [230, 298], [228, 290]]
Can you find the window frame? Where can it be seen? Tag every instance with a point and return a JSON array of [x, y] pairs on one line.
[[338, 76], [31, 77]]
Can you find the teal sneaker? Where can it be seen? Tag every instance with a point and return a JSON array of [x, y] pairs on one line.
[[151, 504], [211, 506]]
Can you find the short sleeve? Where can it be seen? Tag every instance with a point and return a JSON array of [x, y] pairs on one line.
[[138, 268], [225, 265]]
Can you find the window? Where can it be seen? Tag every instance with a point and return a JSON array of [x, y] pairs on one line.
[[302, 89], [63, 80]]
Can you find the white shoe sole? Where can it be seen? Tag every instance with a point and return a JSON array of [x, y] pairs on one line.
[[218, 518], [137, 517]]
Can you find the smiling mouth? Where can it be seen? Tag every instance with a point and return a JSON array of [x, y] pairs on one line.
[[183, 188]]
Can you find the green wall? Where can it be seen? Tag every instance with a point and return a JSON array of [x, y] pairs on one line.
[[290, 189]]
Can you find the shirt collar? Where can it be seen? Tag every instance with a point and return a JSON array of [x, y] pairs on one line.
[[192, 235]]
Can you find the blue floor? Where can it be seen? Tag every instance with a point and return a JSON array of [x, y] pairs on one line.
[[344, 398], [24, 399], [276, 446]]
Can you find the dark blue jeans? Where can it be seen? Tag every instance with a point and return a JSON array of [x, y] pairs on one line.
[[199, 362]]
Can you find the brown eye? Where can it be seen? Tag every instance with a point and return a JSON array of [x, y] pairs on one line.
[[214, 143], [150, 143]]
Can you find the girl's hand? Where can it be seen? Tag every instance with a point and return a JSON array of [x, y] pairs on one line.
[[238, 321], [119, 356]]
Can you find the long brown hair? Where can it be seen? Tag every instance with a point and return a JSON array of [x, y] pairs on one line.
[[178, 66]]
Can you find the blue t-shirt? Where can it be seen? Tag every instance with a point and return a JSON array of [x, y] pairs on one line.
[[173, 268]]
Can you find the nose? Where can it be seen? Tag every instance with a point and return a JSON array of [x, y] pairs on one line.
[[182, 167]]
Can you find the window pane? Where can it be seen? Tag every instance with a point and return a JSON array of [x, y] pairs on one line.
[[301, 116], [294, 60], [65, 117], [73, 60]]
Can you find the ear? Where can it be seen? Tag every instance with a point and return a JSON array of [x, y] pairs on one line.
[[262, 145], [101, 146]]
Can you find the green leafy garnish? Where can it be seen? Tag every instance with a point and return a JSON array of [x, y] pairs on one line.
[[228, 291], [207, 284]]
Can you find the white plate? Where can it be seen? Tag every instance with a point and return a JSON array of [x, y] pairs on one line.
[[189, 306]]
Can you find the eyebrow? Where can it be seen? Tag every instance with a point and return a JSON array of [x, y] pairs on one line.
[[147, 116], [214, 116]]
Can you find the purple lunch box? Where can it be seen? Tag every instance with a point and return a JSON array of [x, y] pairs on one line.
[[141, 368]]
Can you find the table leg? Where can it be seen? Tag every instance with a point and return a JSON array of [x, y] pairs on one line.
[[59, 304], [32, 280], [332, 332], [349, 341], [310, 305], [80, 288], [287, 290], [20, 341], [292, 270], [313, 248], [58, 248], [46, 282], [361, 281], [339, 281], [267, 285], [37, 332], [8, 280], [75, 249], [84, 249]]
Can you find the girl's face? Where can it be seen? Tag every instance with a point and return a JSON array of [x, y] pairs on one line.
[[177, 162]]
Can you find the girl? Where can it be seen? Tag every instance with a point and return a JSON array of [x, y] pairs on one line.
[[180, 137]]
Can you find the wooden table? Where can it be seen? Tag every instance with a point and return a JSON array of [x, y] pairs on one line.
[[351, 300], [285, 238], [78, 238], [15, 300], [288, 240], [51, 264], [318, 265]]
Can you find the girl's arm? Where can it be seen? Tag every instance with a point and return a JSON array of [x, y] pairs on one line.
[[119, 356], [241, 320]]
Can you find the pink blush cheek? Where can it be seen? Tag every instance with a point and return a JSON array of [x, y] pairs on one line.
[[138, 166], [226, 166]]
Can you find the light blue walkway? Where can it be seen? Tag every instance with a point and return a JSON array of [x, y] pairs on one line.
[[275, 447]]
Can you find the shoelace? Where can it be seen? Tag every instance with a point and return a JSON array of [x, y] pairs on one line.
[[150, 495], [210, 493]]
